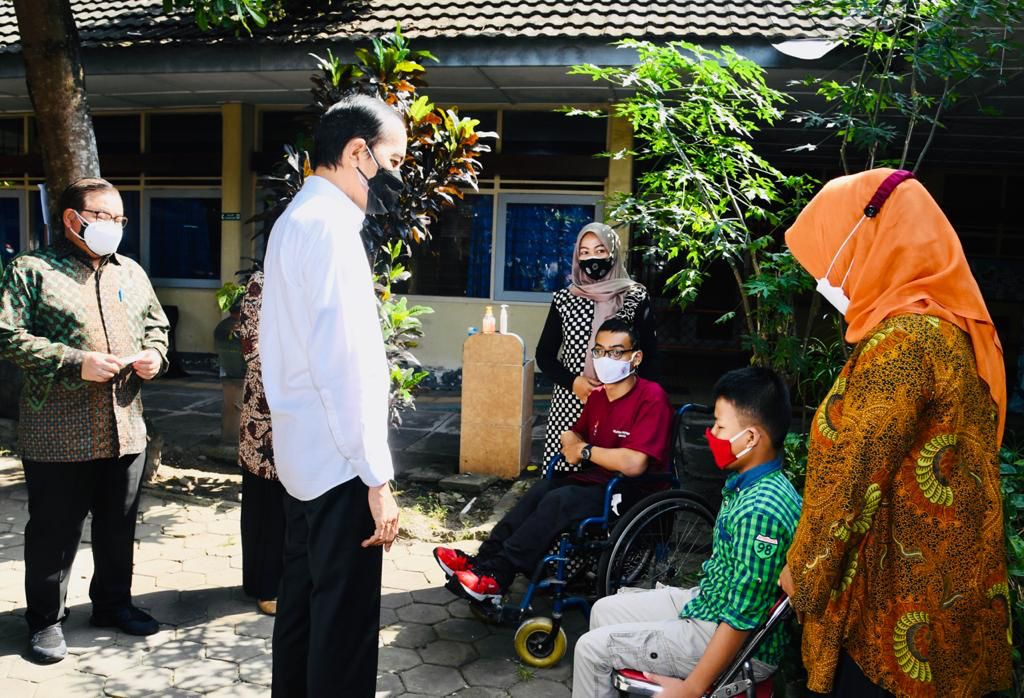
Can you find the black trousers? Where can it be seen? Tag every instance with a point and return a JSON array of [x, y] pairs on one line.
[[328, 609], [850, 682], [60, 495], [262, 536], [524, 535]]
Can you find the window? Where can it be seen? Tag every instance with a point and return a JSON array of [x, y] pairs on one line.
[[185, 133], [11, 134], [181, 237], [456, 261], [117, 134], [11, 224], [536, 234], [551, 133]]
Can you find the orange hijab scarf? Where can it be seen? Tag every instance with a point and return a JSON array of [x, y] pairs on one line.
[[906, 260]]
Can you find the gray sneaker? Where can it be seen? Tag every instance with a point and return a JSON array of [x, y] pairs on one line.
[[48, 646]]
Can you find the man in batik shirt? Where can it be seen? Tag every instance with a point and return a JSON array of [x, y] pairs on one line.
[[85, 327]]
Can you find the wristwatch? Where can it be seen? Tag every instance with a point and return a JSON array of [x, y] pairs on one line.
[[585, 452]]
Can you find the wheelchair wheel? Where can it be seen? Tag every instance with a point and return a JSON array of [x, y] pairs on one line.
[[666, 537], [536, 647]]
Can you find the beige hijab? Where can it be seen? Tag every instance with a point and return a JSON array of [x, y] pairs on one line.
[[608, 293]]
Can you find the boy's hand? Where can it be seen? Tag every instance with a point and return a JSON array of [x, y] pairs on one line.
[[786, 584], [572, 447], [674, 688]]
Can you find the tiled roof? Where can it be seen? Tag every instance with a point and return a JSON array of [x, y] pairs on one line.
[[143, 22]]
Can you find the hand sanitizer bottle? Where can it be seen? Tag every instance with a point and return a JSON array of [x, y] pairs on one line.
[[503, 320], [488, 322]]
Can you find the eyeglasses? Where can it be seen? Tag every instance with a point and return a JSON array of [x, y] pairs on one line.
[[104, 216], [616, 354]]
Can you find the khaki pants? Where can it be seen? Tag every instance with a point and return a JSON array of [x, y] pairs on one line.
[[641, 629]]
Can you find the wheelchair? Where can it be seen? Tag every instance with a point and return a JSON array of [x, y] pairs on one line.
[[664, 538], [736, 679]]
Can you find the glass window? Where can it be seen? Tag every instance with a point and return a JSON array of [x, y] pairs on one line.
[[185, 133], [130, 241], [11, 134], [281, 128], [535, 240], [551, 133], [117, 135], [456, 261], [10, 227], [184, 238]]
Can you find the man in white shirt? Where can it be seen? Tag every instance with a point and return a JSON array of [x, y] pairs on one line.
[[326, 380]]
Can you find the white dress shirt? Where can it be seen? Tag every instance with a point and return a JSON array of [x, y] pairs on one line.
[[324, 367]]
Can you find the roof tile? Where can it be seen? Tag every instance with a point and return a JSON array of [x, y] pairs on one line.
[[143, 22]]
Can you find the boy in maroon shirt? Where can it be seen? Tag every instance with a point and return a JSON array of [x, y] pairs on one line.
[[624, 430]]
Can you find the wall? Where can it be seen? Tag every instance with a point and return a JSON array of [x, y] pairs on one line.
[[445, 329], [198, 314]]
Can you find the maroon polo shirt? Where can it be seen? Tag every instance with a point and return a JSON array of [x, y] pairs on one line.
[[640, 420]]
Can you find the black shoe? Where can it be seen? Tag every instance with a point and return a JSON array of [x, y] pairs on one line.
[[128, 620], [48, 646]]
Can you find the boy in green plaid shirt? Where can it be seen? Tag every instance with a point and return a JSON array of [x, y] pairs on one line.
[[695, 633]]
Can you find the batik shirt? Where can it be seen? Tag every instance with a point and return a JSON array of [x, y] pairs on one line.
[[754, 528], [54, 307], [899, 557], [255, 441]]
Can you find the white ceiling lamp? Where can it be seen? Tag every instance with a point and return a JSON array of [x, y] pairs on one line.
[[805, 49]]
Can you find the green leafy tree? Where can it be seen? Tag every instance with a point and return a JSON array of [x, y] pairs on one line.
[[246, 15], [914, 61], [707, 195]]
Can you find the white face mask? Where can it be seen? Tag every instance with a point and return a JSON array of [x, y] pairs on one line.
[[611, 370], [102, 237], [835, 294]]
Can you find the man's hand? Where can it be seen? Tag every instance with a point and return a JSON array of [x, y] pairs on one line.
[[572, 447], [99, 367], [385, 517], [149, 365], [583, 386], [674, 688]]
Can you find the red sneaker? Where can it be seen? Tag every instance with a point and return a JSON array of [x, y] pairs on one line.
[[451, 560], [481, 587]]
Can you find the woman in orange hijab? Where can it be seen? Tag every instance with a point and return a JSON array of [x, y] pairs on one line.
[[898, 566]]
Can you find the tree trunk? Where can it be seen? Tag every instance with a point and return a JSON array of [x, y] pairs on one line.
[[56, 86]]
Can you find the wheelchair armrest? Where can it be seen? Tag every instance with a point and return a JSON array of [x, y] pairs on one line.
[[549, 467], [778, 615]]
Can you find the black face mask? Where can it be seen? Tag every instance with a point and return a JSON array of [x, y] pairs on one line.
[[597, 267], [384, 189]]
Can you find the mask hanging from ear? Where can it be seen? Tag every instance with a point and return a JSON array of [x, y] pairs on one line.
[[721, 449], [384, 189], [597, 267], [101, 237]]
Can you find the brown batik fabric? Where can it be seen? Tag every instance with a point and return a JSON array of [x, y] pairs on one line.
[[899, 554], [54, 307], [255, 449]]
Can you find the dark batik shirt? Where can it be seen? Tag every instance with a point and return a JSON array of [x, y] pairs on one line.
[[54, 307]]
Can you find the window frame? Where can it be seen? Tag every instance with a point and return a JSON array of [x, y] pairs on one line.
[[498, 291], [148, 194], [23, 203]]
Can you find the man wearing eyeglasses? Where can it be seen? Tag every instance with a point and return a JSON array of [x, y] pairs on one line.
[[624, 430], [86, 329]]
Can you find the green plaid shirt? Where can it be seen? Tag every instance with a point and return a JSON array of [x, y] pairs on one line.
[[755, 526], [54, 307]]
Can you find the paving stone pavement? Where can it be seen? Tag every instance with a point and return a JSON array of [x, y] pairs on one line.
[[212, 641]]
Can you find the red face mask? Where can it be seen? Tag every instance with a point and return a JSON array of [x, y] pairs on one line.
[[721, 449]]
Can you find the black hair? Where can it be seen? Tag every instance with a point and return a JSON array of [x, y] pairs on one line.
[[74, 196], [617, 324], [358, 116], [760, 395]]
